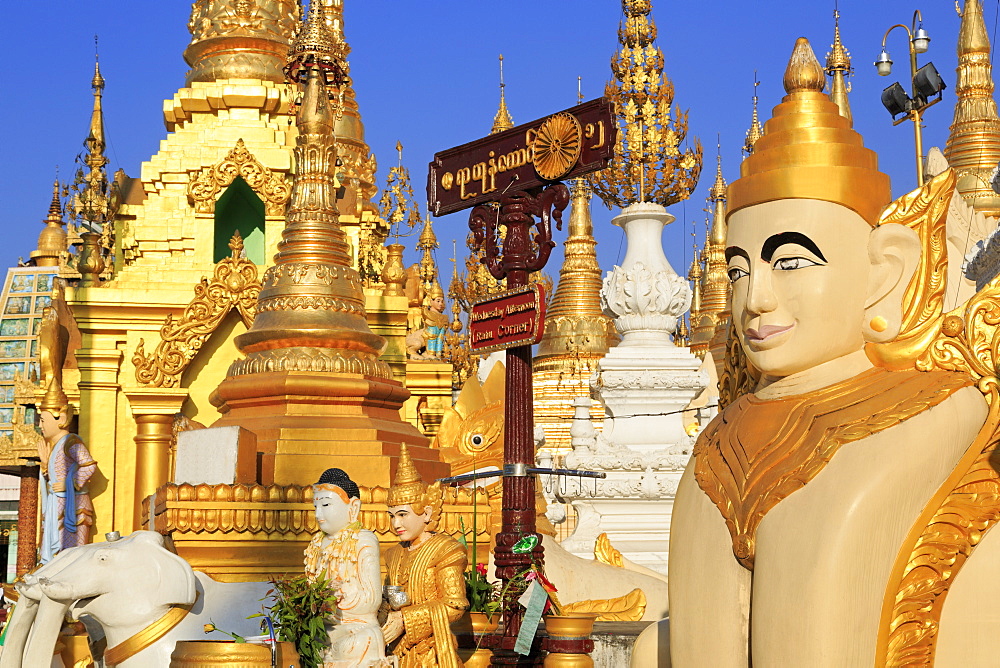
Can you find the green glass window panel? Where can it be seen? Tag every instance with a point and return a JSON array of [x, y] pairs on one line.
[[14, 326], [17, 348], [30, 415], [34, 348], [45, 282], [22, 283], [18, 305], [35, 325], [6, 394], [41, 302], [239, 209], [8, 370], [6, 415]]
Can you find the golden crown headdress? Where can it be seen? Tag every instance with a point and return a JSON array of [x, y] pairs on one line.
[[409, 489], [810, 151]]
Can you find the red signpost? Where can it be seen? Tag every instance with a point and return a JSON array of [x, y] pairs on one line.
[[512, 178]]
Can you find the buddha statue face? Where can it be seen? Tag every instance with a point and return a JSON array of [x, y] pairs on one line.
[[334, 510], [406, 523], [813, 281]]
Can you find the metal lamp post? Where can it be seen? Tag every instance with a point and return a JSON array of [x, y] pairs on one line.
[[925, 83]]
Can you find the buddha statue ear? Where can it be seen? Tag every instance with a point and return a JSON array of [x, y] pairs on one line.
[[354, 508], [894, 252]]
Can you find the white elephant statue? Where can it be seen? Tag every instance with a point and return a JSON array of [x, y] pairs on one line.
[[123, 588]]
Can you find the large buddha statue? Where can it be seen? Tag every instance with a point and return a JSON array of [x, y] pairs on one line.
[[836, 512], [429, 567], [347, 556]]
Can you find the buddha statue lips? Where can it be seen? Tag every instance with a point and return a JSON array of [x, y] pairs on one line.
[[825, 516]]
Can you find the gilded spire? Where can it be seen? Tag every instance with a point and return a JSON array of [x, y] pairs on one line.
[[649, 164], [240, 39], [694, 275], [973, 146], [755, 132], [311, 312], [574, 321], [427, 244], [838, 68], [52, 238], [502, 121], [713, 296]]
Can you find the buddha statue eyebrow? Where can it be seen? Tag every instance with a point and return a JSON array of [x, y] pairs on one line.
[[776, 241], [736, 251]]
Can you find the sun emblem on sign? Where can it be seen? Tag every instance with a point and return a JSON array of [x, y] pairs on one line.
[[557, 146]]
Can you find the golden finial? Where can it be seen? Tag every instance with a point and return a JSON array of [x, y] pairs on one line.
[[397, 204], [803, 72], [838, 67], [681, 336], [502, 121], [579, 90], [52, 238], [97, 83], [755, 131], [427, 244], [718, 189], [649, 164], [973, 146]]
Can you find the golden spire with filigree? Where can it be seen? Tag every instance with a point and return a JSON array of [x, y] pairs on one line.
[[502, 121], [973, 146], [397, 207], [574, 321], [714, 299], [52, 238], [311, 311], [838, 68], [649, 164], [755, 132], [240, 39], [694, 275], [91, 204], [427, 243]]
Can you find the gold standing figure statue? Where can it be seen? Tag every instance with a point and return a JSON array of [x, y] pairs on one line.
[[429, 568]]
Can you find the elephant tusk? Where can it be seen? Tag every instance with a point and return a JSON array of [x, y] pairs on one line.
[[45, 632], [17, 632]]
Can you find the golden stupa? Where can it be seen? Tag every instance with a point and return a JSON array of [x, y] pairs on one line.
[[973, 146]]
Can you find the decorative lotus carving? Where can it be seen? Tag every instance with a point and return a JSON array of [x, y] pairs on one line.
[[643, 298]]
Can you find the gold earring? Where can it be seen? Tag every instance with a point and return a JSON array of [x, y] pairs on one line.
[[878, 323]]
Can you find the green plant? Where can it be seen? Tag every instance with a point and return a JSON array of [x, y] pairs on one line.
[[299, 610], [483, 595]]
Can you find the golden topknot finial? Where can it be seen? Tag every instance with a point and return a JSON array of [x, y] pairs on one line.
[[804, 71], [809, 151], [407, 486]]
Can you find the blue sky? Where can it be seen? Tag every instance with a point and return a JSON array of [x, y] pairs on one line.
[[426, 74]]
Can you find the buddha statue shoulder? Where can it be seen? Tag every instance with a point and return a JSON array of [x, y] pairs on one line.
[[429, 568], [838, 511], [346, 555]]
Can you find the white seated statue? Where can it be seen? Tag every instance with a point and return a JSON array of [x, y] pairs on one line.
[[347, 556]]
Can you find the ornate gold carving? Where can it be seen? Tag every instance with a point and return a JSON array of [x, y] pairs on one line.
[[738, 376], [649, 164], [234, 284], [966, 506], [273, 189], [557, 146], [302, 358], [755, 455], [924, 210], [627, 608], [288, 303], [606, 553]]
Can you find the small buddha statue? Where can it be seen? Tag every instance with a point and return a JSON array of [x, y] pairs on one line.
[[839, 512], [429, 567], [347, 556]]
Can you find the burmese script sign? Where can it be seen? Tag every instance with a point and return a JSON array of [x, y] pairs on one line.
[[571, 143], [510, 318]]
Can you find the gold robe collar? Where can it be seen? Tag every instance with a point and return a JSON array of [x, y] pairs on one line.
[[756, 453]]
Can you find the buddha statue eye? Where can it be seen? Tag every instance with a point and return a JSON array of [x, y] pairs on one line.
[[791, 263], [736, 274]]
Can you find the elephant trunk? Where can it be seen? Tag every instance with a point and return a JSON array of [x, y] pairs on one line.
[[48, 624], [17, 632]]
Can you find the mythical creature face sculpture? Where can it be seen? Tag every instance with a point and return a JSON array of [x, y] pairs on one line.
[[813, 281]]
